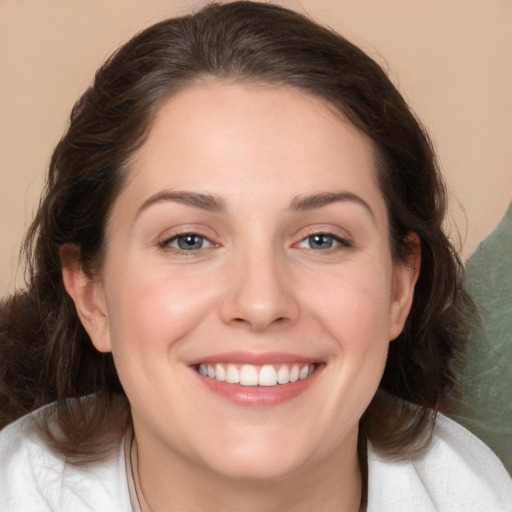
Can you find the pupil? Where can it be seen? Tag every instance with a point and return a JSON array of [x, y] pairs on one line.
[[188, 242], [320, 242]]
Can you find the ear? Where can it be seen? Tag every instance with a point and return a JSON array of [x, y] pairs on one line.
[[88, 295], [405, 275]]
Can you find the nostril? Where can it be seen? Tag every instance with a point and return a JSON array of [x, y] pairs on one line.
[[258, 324]]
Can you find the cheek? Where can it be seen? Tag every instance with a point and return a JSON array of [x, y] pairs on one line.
[[355, 304], [150, 313], [356, 315], [359, 325], [155, 308]]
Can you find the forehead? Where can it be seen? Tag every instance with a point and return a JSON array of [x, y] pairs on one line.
[[222, 137]]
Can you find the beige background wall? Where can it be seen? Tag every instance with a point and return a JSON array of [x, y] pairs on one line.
[[452, 59]]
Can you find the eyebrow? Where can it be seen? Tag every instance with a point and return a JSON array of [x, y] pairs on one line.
[[314, 201], [207, 202], [214, 203]]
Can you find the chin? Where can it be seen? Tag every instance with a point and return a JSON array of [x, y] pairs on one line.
[[260, 456], [258, 468]]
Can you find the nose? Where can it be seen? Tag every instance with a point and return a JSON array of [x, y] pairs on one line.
[[260, 294]]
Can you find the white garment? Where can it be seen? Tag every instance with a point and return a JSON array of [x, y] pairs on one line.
[[458, 474]]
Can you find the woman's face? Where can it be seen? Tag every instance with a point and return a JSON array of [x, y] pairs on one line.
[[250, 243]]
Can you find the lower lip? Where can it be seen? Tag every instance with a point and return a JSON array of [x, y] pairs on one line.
[[259, 396]]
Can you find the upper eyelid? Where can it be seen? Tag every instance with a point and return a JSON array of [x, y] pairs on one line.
[[187, 229], [338, 233], [174, 236], [330, 230], [343, 241], [166, 245]]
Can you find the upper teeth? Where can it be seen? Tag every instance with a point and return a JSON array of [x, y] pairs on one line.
[[249, 375]]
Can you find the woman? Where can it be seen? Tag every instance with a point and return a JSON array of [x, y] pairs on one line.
[[240, 297]]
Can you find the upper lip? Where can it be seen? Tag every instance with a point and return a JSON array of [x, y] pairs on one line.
[[253, 358]]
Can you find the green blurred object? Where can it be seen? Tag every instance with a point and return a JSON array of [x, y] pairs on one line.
[[485, 402]]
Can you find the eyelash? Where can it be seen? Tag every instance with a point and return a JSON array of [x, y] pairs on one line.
[[166, 244], [338, 243]]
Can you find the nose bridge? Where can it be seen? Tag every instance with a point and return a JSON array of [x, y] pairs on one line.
[[259, 295]]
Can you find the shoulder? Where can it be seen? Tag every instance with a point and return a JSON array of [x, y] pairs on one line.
[[458, 473], [32, 477]]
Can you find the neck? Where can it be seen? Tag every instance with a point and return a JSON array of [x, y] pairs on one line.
[[327, 486]]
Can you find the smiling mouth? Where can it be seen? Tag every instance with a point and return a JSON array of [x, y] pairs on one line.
[[253, 375]]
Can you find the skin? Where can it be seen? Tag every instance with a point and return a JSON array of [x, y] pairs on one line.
[[257, 285]]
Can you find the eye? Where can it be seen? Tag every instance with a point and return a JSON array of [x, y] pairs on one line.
[[323, 241], [187, 242]]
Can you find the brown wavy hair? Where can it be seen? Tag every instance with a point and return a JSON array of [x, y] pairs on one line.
[[46, 355]]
